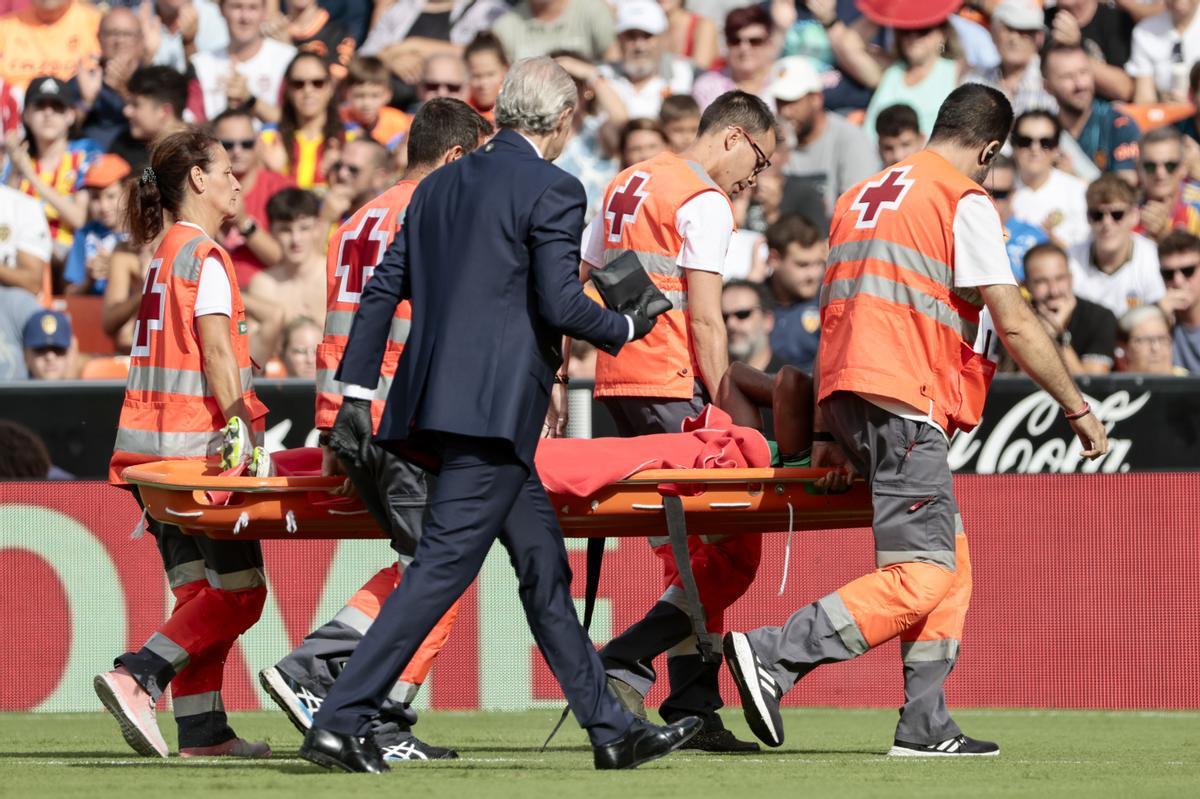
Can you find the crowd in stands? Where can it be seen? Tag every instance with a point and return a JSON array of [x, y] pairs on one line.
[[1098, 187]]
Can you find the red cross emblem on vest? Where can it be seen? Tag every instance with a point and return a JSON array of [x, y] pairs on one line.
[[884, 194], [359, 252], [624, 204], [150, 311]]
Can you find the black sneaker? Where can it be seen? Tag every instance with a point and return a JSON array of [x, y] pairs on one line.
[[406, 746], [759, 692], [958, 746], [719, 740]]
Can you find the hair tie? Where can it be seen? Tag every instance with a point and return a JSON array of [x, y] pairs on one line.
[[148, 176]]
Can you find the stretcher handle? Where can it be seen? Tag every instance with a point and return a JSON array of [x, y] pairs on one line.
[[714, 476]]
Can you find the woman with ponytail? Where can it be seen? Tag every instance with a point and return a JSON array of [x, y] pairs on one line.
[[189, 382]]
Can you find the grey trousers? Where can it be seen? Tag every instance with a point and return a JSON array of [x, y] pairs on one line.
[[921, 587]]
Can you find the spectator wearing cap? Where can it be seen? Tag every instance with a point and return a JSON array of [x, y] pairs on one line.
[[539, 27], [1105, 136], [1020, 234], [1179, 265], [646, 73], [88, 264], [46, 340], [1169, 200], [101, 85], [154, 108], [1104, 30], [49, 165], [1114, 266], [1144, 343], [1084, 331], [1164, 47], [50, 37], [827, 152], [752, 43], [407, 32], [1018, 31], [249, 71], [922, 70], [898, 133], [1046, 195]]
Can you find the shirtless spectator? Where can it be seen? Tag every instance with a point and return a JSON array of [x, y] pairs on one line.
[[297, 283]]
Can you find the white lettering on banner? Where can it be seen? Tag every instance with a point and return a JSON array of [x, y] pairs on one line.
[[90, 579], [1002, 452]]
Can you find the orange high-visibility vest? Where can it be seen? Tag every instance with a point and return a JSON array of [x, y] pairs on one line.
[[892, 323], [169, 410], [639, 214], [356, 249]]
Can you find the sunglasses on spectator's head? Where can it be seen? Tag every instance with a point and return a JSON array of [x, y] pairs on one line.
[[1116, 214], [753, 41], [453, 88], [338, 166], [300, 83], [1000, 194], [1153, 166], [1187, 271], [742, 314], [1025, 142], [232, 144]]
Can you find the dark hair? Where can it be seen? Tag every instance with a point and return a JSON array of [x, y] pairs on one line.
[[367, 69], [442, 124], [897, 119], [1038, 113], [23, 454], [791, 229], [972, 116], [1176, 242], [288, 205], [746, 16], [162, 85], [1038, 250], [162, 185], [227, 114], [634, 125], [486, 42], [1058, 48], [765, 302], [1163, 134], [676, 107], [1110, 188], [741, 109], [332, 129]]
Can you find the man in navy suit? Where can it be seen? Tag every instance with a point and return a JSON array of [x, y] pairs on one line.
[[489, 256]]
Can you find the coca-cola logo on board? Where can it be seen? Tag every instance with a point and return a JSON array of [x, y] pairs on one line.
[[1018, 441]]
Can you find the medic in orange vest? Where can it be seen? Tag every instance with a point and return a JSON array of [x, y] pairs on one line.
[[189, 376], [443, 130], [917, 274], [674, 213]]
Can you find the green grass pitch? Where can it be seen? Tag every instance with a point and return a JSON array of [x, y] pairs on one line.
[[827, 753]]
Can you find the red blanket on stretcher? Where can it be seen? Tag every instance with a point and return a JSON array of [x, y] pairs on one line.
[[580, 467]]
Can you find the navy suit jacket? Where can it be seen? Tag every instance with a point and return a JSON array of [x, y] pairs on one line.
[[489, 256]]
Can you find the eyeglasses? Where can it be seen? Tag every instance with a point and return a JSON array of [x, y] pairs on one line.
[[1153, 166], [233, 144], [1187, 271], [743, 314], [296, 84], [119, 34], [1094, 215], [431, 86], [338, 166], [917, 33], [1151, 341], [1025, 142], [761, 161], [1000, 194], [752, 41]]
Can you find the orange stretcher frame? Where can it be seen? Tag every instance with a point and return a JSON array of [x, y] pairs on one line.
[[716, 502]]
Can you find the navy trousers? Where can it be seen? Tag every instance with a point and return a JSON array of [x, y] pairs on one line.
[[483, 493]]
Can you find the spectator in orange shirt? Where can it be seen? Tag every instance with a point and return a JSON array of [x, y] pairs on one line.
[[486, 67], [51, 37], [368, 91]]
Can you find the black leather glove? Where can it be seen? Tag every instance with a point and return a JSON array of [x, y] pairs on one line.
[[625, 286], [645, 312], [351, 434]]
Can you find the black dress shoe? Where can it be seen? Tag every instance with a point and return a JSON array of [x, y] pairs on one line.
[[345, 752], [645, 742]]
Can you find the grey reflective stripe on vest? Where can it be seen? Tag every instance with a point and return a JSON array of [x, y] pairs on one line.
[[902, 294], [958, 525], [338, 323], [168, 650], [236, 581], [184, 573], [195, 704], [890, 251], [186, 265], [167, 444], [925, 651], [657, 264], [177, 381], [943, 558], [354, 618], [843, 622], [328, 385], [700, 173]]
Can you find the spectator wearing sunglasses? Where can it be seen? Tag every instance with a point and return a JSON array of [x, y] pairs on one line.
[[1170, 200], [310, 133], [1179, 265], [746, 308], [363, 171], [1022, 234], [1164, 47], [249, 72], [1046, 195], [1114, 266], [247, 238], [752, 45], [1144, 343], [444, 75]]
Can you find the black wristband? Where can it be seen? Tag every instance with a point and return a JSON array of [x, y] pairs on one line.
[[323, 439], [831, 23], [562, 380], [822, 436]]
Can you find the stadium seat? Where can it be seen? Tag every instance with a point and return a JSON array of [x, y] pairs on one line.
[[108, 368]]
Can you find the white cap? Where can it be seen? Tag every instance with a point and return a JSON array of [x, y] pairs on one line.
[[1020, 15], [794, 77], [641, 15]]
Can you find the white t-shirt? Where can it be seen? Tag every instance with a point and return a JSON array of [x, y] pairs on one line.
[[264, 74], [23, 227], [1137, 282], [744, 247], [675, 77], [705, 222], [1154, 47], [214, 294], [1061, 192], [980, 259]]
